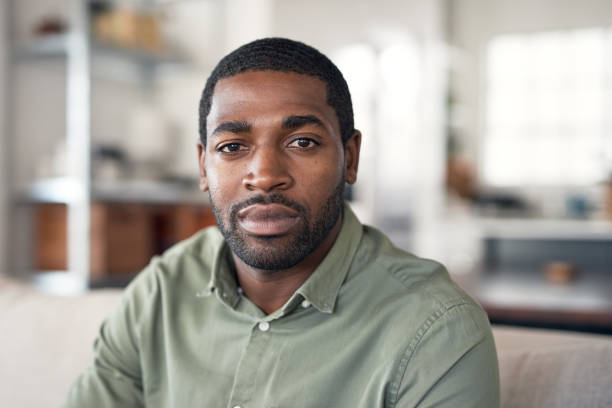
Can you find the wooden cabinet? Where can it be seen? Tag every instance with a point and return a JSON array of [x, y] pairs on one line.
[[124, 236], [50, 237], [122, 239]]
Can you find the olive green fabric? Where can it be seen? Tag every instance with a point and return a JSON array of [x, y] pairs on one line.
[[373, 326]]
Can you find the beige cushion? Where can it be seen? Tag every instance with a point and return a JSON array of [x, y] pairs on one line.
[[540, 368], [45, 342]]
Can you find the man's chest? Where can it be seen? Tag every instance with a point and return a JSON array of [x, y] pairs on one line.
[[304, 360]]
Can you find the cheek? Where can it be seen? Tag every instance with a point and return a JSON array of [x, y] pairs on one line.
[[221, 178], [320, 179], [326, 171], [216, 188]]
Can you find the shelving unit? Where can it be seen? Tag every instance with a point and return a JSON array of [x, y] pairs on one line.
[[77, 50], [74, 189]]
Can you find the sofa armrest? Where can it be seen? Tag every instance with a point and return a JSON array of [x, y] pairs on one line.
[[46, 341], [542, 368]]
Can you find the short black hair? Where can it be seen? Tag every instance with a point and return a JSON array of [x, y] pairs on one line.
[[282, 54]]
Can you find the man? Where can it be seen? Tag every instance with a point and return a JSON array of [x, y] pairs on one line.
[[291, 302]]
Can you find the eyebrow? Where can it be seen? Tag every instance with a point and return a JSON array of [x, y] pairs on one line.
[[297, 121], [235, 126]]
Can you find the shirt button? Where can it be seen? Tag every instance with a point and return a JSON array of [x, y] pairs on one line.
[[264, 326], [305, 304]]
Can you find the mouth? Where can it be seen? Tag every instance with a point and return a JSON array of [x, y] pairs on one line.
[[267, 219]]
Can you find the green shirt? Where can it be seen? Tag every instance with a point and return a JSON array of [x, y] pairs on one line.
[[373, 326]]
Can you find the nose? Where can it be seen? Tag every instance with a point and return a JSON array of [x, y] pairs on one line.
[[267, 171]]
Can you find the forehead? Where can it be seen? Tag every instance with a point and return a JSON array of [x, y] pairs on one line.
[[270, 94]]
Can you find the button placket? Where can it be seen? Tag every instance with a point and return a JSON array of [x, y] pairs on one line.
[[246, 376]]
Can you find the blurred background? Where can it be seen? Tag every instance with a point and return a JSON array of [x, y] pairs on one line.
[[487, 137]]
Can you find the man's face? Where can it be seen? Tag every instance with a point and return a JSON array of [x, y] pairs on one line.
[[275, 166]]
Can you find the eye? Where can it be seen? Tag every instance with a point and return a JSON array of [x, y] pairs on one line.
[[230, 148], [303, 143]]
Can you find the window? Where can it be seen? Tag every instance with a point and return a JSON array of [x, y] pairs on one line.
[[548, 109]]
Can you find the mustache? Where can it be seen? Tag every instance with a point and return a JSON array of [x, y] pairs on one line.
[[274, 198]]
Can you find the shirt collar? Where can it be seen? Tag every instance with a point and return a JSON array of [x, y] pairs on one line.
[[320, 289], [222, 280]]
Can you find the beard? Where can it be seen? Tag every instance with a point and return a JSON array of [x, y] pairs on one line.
[[281, 252]]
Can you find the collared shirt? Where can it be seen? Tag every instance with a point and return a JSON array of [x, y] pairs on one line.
[[372, 327]]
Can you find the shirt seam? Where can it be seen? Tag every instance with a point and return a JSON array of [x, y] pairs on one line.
[[412, 346], [156, 269]]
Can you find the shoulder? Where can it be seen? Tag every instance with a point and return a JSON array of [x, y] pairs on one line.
[[431, 323], [393, 272], [416, 296]]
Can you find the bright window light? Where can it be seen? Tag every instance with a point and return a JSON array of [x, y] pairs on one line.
[[548, 118]]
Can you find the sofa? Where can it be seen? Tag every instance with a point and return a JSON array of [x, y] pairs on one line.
[[46, 340]]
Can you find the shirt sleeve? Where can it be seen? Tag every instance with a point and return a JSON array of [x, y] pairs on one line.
[[454, 364], [115, 378]]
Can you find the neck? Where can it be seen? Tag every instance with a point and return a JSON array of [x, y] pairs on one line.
[[270, 290]]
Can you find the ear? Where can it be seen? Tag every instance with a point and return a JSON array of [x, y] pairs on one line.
[[351, 157], [202, 164]]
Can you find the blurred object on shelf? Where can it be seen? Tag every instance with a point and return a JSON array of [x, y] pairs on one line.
[[460, 175], [128, 28], [147, 143], [147, 134], [460, 178], [50, 237], [50, 25], [578, 206], [560, 273], [98, 7], [501, 204], [461, 182], [608, 200], [109, 163]]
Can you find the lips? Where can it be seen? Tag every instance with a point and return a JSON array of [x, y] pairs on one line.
[[267, 219]]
